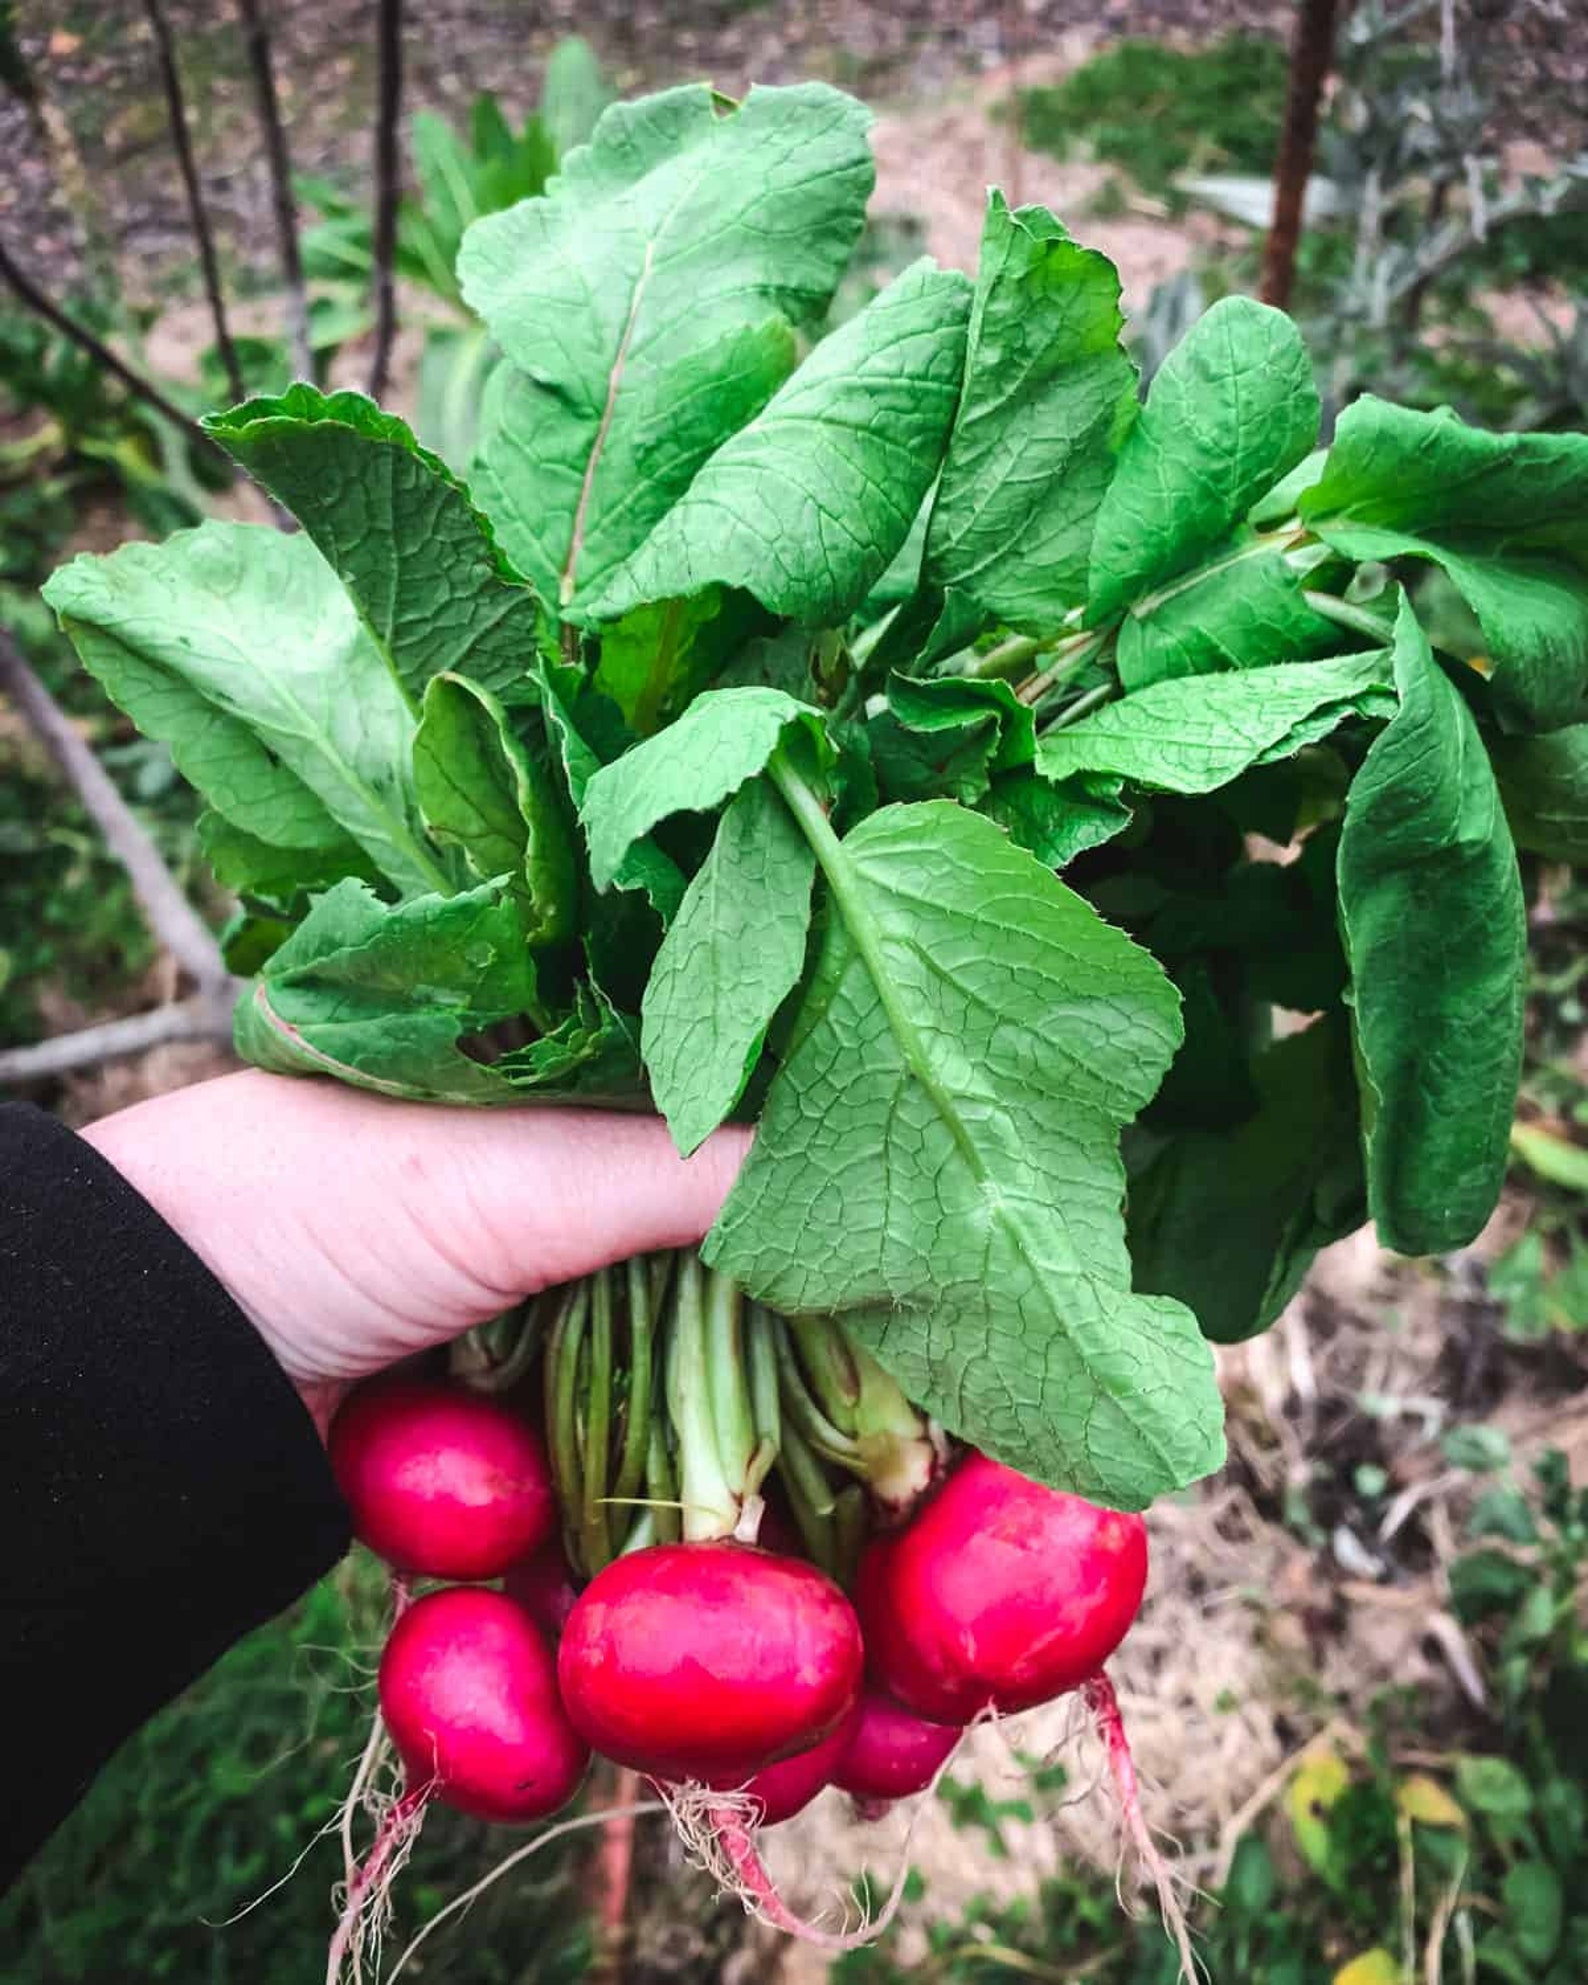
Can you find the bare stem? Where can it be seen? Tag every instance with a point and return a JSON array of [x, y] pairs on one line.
[[198, 214], [170, 915], [390, 40], [207, 1016], [257, 39], [1311, 52], [29, 293]]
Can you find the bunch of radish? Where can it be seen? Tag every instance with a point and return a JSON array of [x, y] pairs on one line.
[[718, 1548]]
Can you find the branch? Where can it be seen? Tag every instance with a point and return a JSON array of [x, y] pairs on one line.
[[257, 36], [1310, 55], [207, 1016], [170, 915], [386, 186], [139, 387], [181, 139]]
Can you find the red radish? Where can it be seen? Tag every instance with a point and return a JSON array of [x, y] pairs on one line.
[[891, 1754], [999, 1594], [784, 1789], [543, 1584], [708, 1661], [468, 1689], [442, 1482]]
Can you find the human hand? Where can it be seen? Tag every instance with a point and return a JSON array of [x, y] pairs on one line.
[[354, 1231]]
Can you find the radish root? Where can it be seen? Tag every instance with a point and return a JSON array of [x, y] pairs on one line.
[[1108, 1720], [366, 1905]]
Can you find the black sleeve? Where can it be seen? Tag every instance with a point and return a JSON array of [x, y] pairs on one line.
[[162, 1489]]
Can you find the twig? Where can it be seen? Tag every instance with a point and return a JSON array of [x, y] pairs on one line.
[[207, 1016], [389, 36], [198, 215], [139, 387], [257, 37], [1310, 56], [170, 915]]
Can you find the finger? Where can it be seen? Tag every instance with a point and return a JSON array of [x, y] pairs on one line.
[[544, 1196]]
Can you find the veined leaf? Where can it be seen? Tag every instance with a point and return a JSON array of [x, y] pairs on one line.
[[1435, 933], [969, 1201], [1544, 783], [655, 658], [1506, 515], [1243, 609], [243, 863], [564, 693], [646, 303], [1228, 1221], [805, 506], [400, 531], [946, 736], [1231, 409], [1056, 822], [722, 739], [1194, 734], [379, 995], [238, 646], [382, 995], [1049, 394], [479, 790], [729, 960]]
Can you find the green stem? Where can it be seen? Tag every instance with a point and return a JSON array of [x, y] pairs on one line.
[[760, 1359], [637, 1408], [1284, 538], [810, 1499], [711, 1506], [563, 1346], [661, 1486], [1005, 658], [732, 1418], [1345, 614], [595, 1539], [825, 1359], [1069, 659], [804, 1411], [1083, 706]]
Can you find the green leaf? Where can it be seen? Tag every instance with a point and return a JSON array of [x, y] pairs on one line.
[[646, 302], [1535, 1905], [568, 703], [399, 530], [479, 790], [1506, 515], [944, 737], [1244, 609], [1435, 934], [243, 863], [1554, 1158], [573, 95], [1194, 734], [379, 995], [969, 1203], [1231, 409], [657, 657], [729, 960], [1544, 784], [1479, 1448], [804, 507], [237, 646], [1228, 1222], [722, 739], [1049, 393], [1056, 822], [1495, 1788]]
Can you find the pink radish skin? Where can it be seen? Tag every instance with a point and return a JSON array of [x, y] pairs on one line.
[[891, 1754], [468, 1689], [441, 1482], [784, 1789], [543, 1584], [999, 1594], [708, 1661]]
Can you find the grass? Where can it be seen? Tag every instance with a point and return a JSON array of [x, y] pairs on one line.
[[1156, 111], [211, 1803]]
